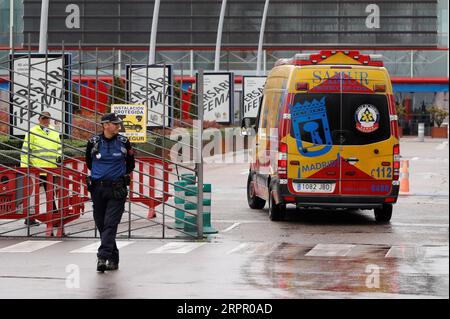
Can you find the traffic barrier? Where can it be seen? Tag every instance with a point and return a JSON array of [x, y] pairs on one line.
[[190, 221], [179, 219], [190, 225], [207, 191], [190, 195], [404, 178], [149, 184], [179, 189], [188, 178], [20, 195], [179, 203], [207, 227]]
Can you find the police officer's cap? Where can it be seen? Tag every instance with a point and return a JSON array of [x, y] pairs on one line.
[[110, 118], [44, 115]]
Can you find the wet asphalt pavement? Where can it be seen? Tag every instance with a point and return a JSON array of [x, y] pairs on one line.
[[312, 254]]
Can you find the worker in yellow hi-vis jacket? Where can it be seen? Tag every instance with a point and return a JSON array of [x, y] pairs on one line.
[[44, 147]]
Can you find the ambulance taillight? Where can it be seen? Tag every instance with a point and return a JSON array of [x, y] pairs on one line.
[[282, 160], [396, 161]]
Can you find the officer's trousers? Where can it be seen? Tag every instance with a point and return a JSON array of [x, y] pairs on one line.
[[107, 215]]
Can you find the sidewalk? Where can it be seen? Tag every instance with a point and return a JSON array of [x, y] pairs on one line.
[[409, 139]]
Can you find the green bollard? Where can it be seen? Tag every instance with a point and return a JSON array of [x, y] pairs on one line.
[[207, 191], [188, 178], [207, 228], [190, 195], [179, 219], [190, 221]]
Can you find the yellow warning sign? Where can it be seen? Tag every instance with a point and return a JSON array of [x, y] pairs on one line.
[[134, 121]]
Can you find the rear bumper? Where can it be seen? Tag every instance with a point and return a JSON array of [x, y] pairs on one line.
[[335, 201]]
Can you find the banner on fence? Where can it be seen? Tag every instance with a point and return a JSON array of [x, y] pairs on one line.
[[134, 119], [152, 85]]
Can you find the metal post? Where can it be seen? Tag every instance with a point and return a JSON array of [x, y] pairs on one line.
[[120, 62], [219, 36], [199, 159], [421, 132], [29, 134], [129, 216], [96, 90], [113, 95], [151, 58], [192, 62], [181, 94], [95, 107], [261, 38], [63, 126], [163, 150], [44, 27], [11, 24]]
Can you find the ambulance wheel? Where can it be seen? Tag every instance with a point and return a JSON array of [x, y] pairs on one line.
[[253, 201], [276, 211], [383, 215]]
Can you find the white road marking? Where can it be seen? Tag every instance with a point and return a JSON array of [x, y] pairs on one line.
[[402, 252], [244, 172], [406, 252], [330, 250], [255, 248], [414, 159], [28, 246], [420, 225], [231, 227], [437, 252], [176, 248], [238, 248], [442, 145], [93, 248]]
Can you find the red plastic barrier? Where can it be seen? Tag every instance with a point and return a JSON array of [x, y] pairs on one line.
[[15, 181], [149, 185], [147, 190]]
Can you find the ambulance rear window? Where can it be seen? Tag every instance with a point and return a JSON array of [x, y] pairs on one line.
[[340, 119]]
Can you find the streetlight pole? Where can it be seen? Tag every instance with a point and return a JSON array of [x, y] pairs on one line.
[[44, 27], [151, 55], [219, 36], [261, 38]]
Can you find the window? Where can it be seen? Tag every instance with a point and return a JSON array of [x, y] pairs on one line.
[[342, 128]]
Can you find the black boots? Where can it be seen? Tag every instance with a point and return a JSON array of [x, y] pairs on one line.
[[112, 265], [103, 265]]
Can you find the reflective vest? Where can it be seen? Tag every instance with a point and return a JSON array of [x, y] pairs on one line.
[[44, 148]]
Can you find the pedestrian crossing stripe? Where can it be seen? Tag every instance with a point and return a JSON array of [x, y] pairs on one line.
[[93, 248], [260, 248], [330, 250], [176, 248], [28, 246]]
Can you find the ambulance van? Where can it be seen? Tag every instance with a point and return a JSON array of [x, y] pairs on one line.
[[326, 136]]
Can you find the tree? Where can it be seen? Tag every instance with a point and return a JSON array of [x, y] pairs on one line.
[[117, 93], [400, 110], [438, 114]]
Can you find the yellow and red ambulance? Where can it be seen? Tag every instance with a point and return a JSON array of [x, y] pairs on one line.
[[326, 136]]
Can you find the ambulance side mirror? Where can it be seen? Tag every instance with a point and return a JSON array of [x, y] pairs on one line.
[[248, 126]]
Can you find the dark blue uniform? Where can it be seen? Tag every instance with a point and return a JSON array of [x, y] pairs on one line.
[[109, 161]]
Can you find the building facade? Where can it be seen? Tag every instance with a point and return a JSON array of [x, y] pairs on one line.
[[411, 35]]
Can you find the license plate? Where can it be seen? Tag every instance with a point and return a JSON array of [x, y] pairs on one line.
[[314, 187]]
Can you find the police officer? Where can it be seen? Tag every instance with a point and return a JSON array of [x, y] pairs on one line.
[[110, 158]]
